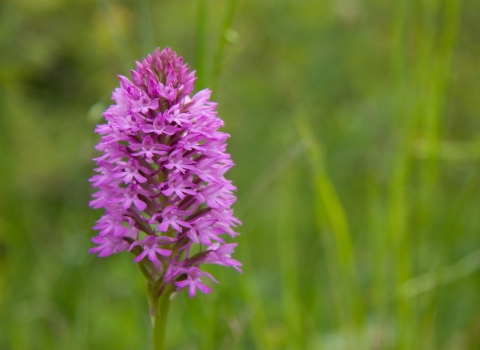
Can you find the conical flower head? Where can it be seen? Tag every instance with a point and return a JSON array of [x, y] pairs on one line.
[[161, 175]]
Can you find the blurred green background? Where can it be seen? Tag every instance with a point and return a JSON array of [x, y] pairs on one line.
[[356, 133]]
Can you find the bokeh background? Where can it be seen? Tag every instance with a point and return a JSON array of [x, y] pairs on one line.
[[355, 128]]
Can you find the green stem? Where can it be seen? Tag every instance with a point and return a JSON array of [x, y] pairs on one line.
[[160, 320]]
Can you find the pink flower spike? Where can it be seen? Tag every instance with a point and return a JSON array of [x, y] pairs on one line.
[[162, 169]]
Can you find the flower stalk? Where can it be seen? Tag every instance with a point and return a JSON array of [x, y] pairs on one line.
[[160, 310]]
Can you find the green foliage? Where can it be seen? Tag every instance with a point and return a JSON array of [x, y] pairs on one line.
[[356, 136]]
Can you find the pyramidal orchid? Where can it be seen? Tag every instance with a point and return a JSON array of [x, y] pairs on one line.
[[161, 182]]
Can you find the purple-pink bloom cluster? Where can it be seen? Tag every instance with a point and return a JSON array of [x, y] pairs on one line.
[[161, 176]]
